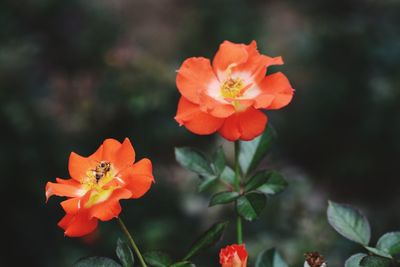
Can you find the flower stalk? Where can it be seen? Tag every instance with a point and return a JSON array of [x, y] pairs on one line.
[[133, 244], [239, 230]]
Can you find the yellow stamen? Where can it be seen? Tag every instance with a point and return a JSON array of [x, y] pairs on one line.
[[232, 88]]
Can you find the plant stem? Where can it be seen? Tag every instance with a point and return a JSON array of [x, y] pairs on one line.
[[239, 230], [134, 246]]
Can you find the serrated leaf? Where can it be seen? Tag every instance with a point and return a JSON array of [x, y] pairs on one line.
[[249, 206], [193, 160], [124, 254], [183, 264], [206, 183], [274, 185], [252, 152], [355, 260], [375, 261], [157, 259], [270, 258], [219, 161], [207, 239], [379, 252], [228, 176], [96, 262], [390, 243], [349, 222], [223, 198]]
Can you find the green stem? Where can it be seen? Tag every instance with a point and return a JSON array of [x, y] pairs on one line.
[[134, 246], [239, 230]]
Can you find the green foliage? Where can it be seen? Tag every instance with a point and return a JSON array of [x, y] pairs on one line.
[[252, 152], [207, 239], [228, 176], [124, 254], [219, 161], [375, 261], [223, 198], [267, 182], [250, 205], [193, 160], [157, 259], [183, 264], [349, 222], [96, 262], [355, 260], [389, 243], [270, 258], [379, 252]]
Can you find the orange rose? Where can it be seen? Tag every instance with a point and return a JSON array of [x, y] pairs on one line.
[[233, 256], [98, 183], [227, 96]]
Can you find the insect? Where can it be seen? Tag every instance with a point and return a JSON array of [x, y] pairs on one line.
[[102, 169]]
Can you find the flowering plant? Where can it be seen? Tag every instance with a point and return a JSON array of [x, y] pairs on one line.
[[228, 96]]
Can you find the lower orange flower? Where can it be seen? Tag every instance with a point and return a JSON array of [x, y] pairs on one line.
[[98, 183], [233, 256]]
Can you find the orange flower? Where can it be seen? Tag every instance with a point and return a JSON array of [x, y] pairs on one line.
[[98, 183], [226, 97], [233, 256]]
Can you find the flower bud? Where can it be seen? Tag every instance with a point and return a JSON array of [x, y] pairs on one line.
[[233, 256]]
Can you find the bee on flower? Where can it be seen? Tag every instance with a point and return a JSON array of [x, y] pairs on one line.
[[98, 183], [314, 259]]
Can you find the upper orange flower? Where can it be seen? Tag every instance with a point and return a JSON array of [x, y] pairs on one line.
[[226, 97], [98, 183], [233, 256]]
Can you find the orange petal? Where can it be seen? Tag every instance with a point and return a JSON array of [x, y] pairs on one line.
[[78, 166], [110, 147], [110, 208], [195, 120], [214, 107], [124, 156], [72, 205], [275, 86], [194, 76], [78, 224], [228, 55], [64, 190], [139, 178], [244, 125]]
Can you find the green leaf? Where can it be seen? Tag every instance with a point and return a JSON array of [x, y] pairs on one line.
[[207, 239], [275, 184], [270, 258], [219, 161], [206, 183], [228, 176], [223, 198], [390, 243], [157, 259], [124, 254], [349, 222], [96, 262], [183, 264], [355, 260], [375, 261], [379, 252], [256, 181], [249, 206], [193, 160], [252, 152]]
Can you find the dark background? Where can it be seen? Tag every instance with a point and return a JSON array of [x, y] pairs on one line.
[[73, 73]]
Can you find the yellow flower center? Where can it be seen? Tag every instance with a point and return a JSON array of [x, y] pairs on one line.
[[95, 180], [232, 88]]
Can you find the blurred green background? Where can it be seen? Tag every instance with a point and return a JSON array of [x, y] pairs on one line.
[[73, 73]]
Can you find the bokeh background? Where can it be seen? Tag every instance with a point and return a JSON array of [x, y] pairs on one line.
[[73, 73]]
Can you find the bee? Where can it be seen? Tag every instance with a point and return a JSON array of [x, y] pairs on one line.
[[101, 169]]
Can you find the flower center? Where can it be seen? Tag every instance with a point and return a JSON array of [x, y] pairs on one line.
[[232, 88]]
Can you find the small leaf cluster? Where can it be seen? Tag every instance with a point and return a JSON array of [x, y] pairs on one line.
[[353, 225], [245, 186]]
